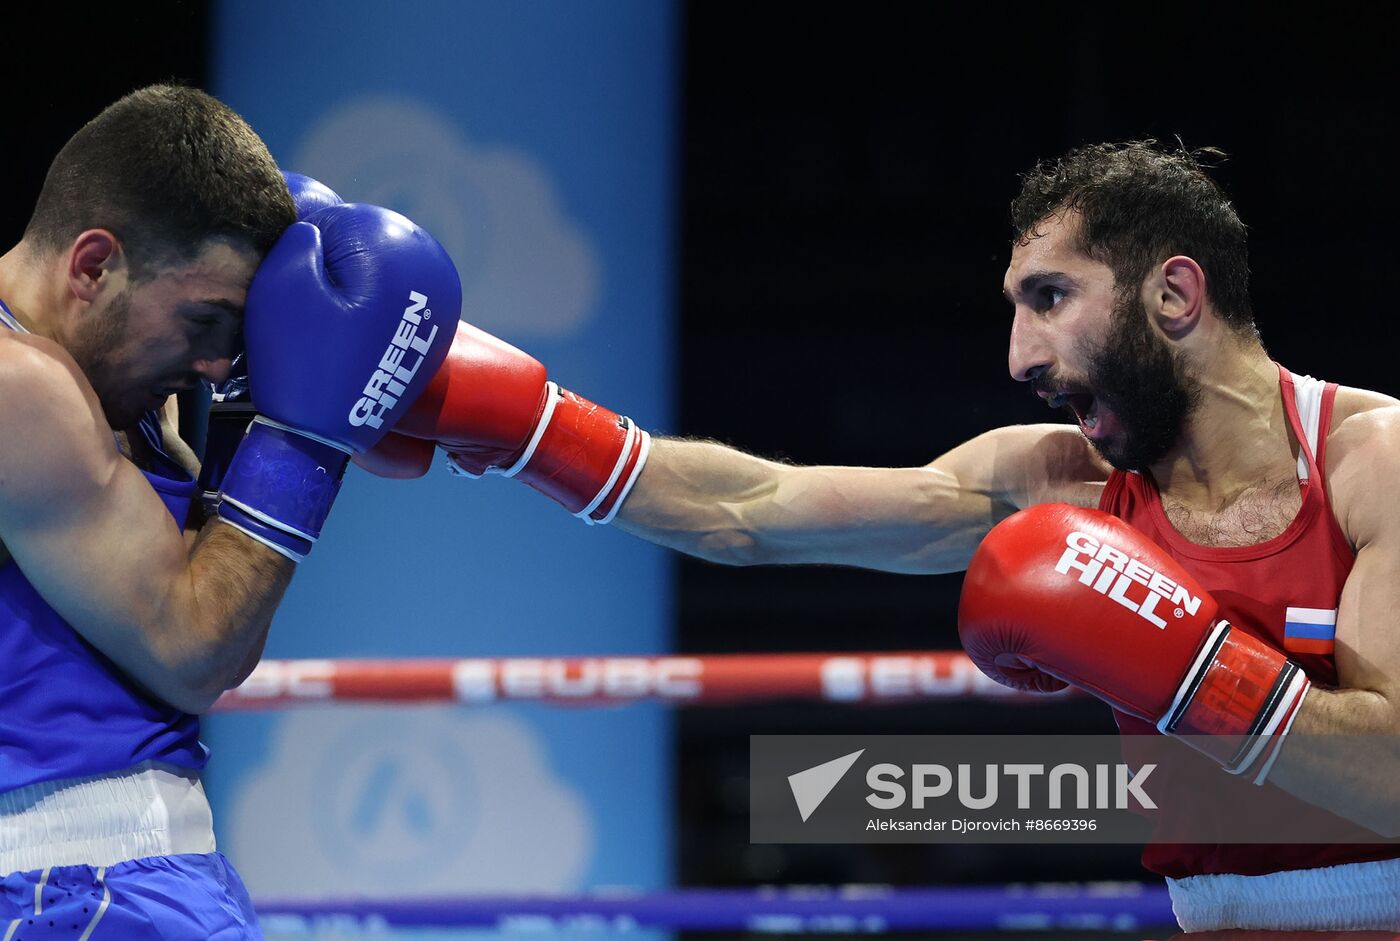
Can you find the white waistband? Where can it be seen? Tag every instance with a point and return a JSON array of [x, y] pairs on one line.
[[1352, 896], [148, 810]]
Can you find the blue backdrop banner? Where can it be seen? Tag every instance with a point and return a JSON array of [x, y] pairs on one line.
[[534, 139]]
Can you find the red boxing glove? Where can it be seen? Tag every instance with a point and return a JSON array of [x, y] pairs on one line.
[[491, 408], [398, 457], [1059, 595]]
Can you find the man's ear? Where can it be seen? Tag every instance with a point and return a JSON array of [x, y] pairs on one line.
[[1177, 295], [94, 259]]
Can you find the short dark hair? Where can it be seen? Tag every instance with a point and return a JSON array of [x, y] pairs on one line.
[[1138, 204], [165, 169]]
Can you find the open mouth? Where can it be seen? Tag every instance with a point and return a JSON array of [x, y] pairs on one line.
[[1084, 405]]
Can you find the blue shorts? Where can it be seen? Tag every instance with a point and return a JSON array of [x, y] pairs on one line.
[[191, 897]]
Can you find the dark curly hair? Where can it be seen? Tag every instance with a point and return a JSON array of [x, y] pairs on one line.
[[165, 169], [1139, 204]]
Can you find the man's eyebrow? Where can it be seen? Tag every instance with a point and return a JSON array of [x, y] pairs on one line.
[[1034, 280]]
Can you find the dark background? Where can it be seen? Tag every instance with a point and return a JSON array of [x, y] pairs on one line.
[[845, 177], [845, 228]]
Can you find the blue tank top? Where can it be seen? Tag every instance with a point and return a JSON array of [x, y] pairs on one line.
[[66, 710]]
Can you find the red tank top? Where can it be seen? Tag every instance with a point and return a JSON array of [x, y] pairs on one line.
[[1296, 575]]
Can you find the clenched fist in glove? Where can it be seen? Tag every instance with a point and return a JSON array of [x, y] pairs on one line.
[[492, 409], [1057, 595], [232, 409], [340, 341]]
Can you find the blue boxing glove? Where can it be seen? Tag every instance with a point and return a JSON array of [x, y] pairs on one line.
[[343, 333], [309, 195], [231, 409]]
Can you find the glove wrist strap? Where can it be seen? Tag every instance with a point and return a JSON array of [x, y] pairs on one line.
[[278, 540], [583, 456], [552, 396], [284, 479], [629, 467], [1238, 701]]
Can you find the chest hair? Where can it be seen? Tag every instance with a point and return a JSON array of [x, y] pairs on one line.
[[1256, 515]]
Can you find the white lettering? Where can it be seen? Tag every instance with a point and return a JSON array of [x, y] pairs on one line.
[[1161, 584], [1138, 572], [1023, 774], [1082, 542], [892, 676], [1114, 557], [1119, 593], [850, 679], [1070, 560], [1183, 598], [293, 679], [922, 790], [882, 778], [1110, 571], [675, 678], [1148, 608], [1133, 786], [933, 781], [389, 382], [965, 788], [1081, 780]]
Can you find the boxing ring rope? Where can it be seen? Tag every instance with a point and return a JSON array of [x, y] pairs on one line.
[[1111, 906], [688, 680]]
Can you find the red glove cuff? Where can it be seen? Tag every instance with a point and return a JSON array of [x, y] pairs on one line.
[[1237, 701], [583, 456]]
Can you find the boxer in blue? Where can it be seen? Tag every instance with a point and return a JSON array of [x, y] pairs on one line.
[[159, 223]]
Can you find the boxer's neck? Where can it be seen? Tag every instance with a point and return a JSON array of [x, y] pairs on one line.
[[1238, 438], [22, 279]]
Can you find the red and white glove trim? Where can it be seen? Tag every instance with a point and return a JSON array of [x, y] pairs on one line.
[[1237, 701], [1276, 741], [1189, 685], [589, 463], [643, 452], [552, 398], [551, 401]]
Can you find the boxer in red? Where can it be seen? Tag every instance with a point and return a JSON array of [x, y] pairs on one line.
[[1261, 488]]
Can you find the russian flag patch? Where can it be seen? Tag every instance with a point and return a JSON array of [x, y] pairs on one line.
[[1310, 630]]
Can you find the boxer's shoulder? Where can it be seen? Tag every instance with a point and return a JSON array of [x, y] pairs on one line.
[[48, 405], [39, 380], [1071, 470], [1364, 429], [1363, 450], [28, 357], [1351, 402], [1042, 463]]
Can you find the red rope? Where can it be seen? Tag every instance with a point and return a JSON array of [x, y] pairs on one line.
[[688, 680]]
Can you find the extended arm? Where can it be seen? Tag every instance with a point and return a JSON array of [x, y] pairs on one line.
[[720, 504], [492, 409]]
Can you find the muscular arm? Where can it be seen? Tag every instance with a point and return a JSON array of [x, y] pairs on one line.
[[97, 543], [1326, 771], [711, 501]]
